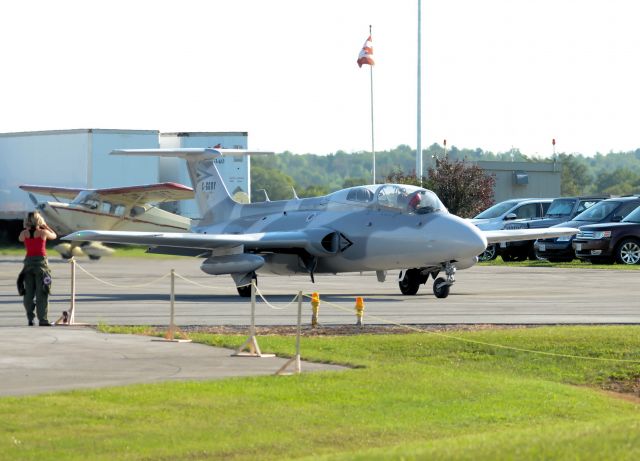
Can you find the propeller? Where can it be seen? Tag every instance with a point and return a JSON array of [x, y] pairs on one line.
[[33, 199]]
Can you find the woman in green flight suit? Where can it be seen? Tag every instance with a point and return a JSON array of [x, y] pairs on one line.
[[36, 273]]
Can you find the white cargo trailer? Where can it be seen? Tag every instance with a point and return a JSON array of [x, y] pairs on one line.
[[71, 158], [80, 158]]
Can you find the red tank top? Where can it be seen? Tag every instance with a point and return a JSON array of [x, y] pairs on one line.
[[36, 246]]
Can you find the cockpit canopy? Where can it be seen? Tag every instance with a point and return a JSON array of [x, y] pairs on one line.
[[398, 197]]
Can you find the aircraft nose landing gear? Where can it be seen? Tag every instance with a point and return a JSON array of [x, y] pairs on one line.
[[441, 285]]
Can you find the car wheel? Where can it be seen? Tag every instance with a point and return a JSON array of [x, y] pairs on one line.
[[506, 257], [489, 254], [410, 283], [628, 252]]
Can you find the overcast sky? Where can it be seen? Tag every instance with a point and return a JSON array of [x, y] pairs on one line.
[[496, 73]]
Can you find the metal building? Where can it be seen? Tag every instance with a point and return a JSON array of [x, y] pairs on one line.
[[523, 179]]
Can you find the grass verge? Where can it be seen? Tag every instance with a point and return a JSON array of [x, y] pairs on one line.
[[575, 264], [414, 396]]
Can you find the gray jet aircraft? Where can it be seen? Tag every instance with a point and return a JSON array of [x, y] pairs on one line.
[[367, 228]]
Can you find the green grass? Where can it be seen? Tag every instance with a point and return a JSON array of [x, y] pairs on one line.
[[414, 396], [121, 251], [575, 264]]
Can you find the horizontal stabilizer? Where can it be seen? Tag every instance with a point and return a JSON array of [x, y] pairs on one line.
[[514, 235]]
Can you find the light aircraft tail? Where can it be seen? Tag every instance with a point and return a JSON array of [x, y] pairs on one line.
[[212, 196]]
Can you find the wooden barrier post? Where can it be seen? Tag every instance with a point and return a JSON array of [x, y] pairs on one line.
[[296, 358], [171, 332], [251, 343], [68, 317]]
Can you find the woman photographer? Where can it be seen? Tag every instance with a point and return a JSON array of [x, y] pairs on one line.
[[36, 273]]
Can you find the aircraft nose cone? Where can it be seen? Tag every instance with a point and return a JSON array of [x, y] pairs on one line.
[[463, 239], [476, 241]]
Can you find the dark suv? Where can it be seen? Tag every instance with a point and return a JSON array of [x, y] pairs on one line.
[[610, 210], [561, 210], [606, 243]]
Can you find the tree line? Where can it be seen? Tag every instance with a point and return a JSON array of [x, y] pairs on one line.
[[615, 173]]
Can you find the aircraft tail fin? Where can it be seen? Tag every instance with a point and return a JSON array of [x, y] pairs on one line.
[[212, 196]]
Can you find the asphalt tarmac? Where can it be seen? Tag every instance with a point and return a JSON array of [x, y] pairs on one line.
[[128, 292], [120, 291]]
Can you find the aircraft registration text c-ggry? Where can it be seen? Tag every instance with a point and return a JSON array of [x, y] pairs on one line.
[[208, 186]]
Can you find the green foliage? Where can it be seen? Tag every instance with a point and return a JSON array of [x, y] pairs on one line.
[[464, 188], [575, 176], [613, 173], [618, 182], [277, 184]]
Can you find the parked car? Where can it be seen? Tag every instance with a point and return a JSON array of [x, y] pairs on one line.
[[610, 242], [561, 210], [610, 210], [495, 217]]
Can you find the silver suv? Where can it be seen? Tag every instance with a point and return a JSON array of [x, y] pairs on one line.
[[500, 214]]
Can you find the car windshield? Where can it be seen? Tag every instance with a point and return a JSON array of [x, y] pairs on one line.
[[558, 208], [633, 217], [598, 212], [497, 210]]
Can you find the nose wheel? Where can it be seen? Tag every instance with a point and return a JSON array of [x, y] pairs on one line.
[[442, 285]]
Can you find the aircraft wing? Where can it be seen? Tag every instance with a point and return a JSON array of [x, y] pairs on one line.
[[132, 195], [318, 241], [64, 192], [512, 235]]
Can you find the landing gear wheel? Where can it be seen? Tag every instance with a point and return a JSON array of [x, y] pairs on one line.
[[245, 290], [441, 288], [410, 283], [94, 257], [628, 252]]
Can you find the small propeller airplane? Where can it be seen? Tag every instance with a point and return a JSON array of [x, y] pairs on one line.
[[118, 208], [367, 228]]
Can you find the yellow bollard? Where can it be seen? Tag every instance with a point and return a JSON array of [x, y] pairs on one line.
[[315, 307], [359, 311]]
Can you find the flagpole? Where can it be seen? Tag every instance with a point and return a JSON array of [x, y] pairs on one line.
[[419, 98], [373, 149]]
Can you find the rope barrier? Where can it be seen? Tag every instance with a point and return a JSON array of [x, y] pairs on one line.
[[121, 286], [482, 343], [209, 287], [272, 306]]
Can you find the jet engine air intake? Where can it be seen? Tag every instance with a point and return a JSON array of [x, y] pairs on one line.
[[335, 242]]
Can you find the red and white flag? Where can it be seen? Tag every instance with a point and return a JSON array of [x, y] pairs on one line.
[[366, 54]]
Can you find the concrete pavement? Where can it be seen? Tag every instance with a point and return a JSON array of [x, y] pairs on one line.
[[34, 360]]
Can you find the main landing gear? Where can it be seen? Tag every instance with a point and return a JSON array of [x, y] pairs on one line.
[[410, 280], [245, 290]]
